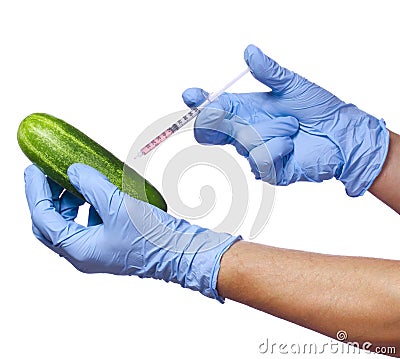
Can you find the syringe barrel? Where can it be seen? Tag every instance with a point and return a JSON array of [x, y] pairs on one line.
[[156, 141], [188, 117], [185, 119]]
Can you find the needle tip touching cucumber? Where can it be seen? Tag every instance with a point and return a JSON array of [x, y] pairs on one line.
[[53, 145]]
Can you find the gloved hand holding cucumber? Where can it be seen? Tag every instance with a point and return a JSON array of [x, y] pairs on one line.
[[299, 129], [125, 235]]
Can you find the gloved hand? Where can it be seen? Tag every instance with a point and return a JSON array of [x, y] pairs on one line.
[[134, 238], [296, 132]]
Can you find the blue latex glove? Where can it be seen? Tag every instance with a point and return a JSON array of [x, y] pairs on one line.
[[330, 139], [147, 243]]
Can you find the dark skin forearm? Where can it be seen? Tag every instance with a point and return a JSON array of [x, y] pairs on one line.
[[325, 293]]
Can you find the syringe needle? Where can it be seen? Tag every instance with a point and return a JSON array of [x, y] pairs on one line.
[[189, 116]]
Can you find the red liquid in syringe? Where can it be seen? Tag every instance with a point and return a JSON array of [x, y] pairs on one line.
[[156, 141]]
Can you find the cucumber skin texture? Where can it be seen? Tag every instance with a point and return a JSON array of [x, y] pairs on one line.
[[53, 145]]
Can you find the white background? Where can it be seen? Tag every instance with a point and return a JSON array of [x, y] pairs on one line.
[[111, 68]]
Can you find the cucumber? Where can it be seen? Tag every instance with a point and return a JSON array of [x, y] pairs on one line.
[[53, 145]]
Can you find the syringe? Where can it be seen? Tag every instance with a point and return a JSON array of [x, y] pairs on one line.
[[189, 116]]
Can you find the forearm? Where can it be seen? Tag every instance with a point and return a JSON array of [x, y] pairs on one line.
[[386, 185], [325, 293]]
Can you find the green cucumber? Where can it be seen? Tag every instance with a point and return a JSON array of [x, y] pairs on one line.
[[53, 145]]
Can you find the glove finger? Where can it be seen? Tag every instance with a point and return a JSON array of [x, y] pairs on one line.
[[64, 202], [51, 225], [231, 103], [194, 97], [94, 186], [56, 191], [212, 125], [41, 237], [93, 219], [55, 188], [250, 136], [36, 187], [69, 206], [33, 176], [266, 160], [267, 71], [215, 123]]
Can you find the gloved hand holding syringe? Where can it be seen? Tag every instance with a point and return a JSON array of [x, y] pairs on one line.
[[189, 116]]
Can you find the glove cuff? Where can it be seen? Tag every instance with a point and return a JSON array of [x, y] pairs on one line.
[[214, 277], [365, 149], [202, 267]]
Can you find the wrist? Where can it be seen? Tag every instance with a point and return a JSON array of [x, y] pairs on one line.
[[385, 186], [219, 253], [196, 266], [230, 270], [364, 150]]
